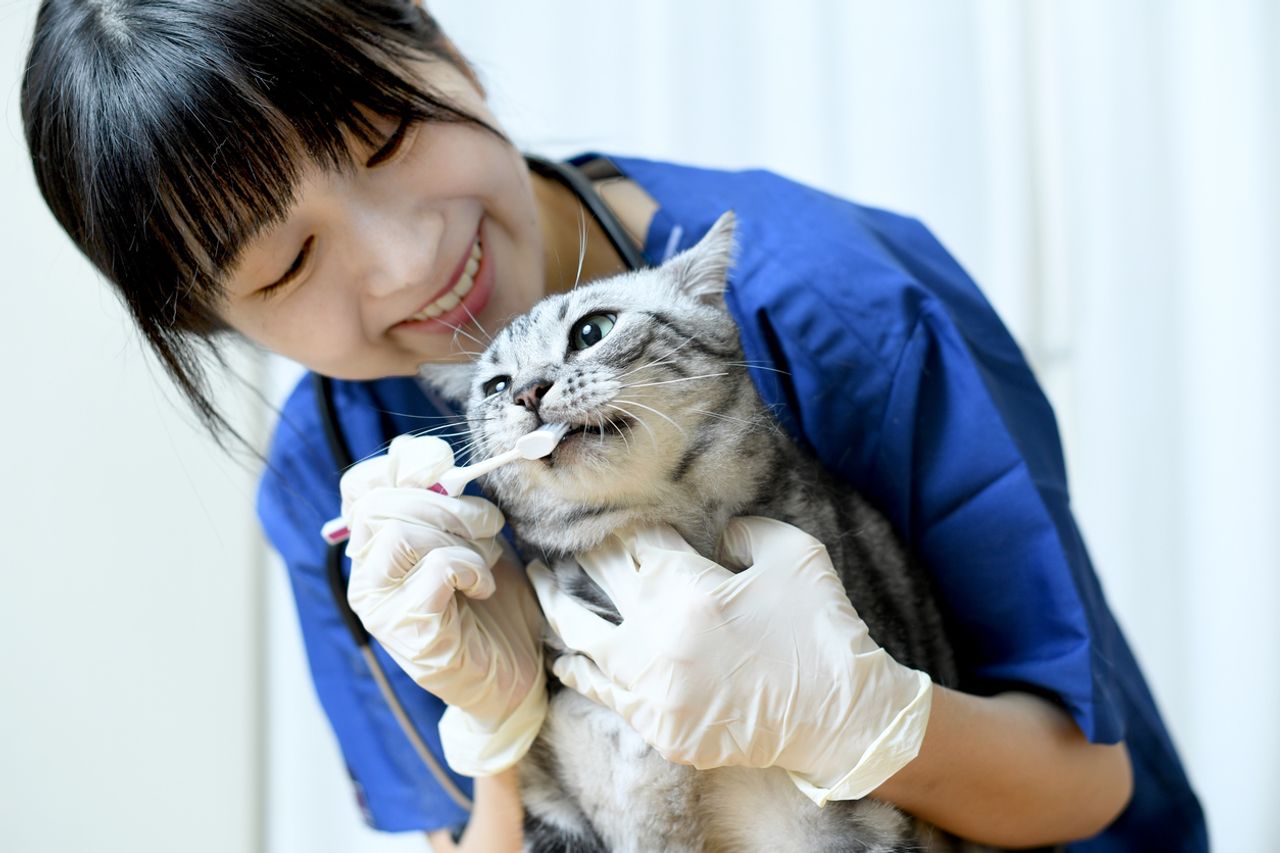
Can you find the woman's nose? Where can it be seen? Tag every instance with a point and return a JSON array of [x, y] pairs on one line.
[[402, 252]]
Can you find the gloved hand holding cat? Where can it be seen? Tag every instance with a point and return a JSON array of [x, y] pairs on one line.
[[412, 551], [767, 667]]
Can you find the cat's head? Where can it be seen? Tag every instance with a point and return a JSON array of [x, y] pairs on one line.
[[646, 368]]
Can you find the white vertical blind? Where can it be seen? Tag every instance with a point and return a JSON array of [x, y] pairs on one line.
[[1224, 89]]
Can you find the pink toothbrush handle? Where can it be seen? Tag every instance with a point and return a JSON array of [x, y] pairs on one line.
[[533, 445], [335, 530]]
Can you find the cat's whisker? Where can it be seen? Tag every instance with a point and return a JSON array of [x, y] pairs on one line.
[[759, 365], [664, 359], [446, 419], [470, 443], [436, 430], [653, 438], [622, 435], [442, 435], [653, 365], [463, 423], [582, 246], [461, 330], [600, 426], [482, 329], [468, 452], [655, 411], [669, 381], [479, 448], [754, 424], [377, 451], [458, 418]]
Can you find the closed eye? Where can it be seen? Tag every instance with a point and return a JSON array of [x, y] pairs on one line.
[[294, 269], [391, 146]]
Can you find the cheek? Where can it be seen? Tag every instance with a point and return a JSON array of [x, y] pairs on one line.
[[296, 325], [314, 333], [459, 162]]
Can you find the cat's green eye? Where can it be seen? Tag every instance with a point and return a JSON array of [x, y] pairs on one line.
[[496, 384], [590, 330]]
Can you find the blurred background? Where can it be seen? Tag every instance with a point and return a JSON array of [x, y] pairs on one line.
[[1108, 172]]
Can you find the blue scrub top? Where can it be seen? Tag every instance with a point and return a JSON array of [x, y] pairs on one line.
[[878, 353]]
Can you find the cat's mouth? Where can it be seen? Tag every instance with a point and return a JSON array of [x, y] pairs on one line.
[[615, 426]]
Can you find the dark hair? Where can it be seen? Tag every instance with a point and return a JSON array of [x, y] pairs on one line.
[[166, 134]]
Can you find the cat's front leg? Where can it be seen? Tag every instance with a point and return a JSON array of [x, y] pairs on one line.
[[591, 779], [593, 767]]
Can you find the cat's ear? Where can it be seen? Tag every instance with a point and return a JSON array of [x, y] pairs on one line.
[[703, 271], [453, 381]]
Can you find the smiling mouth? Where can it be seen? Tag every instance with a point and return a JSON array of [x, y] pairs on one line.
[[449, 300]]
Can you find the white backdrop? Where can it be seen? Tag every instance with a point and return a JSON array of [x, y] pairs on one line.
[[1109, 174]]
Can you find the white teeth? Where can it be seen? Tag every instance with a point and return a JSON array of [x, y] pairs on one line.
[[460, 289]]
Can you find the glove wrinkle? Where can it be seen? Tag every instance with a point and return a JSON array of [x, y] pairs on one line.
[[431, 583], [711, 674]]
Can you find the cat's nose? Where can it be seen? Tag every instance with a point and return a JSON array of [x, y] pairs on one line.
[[531, 394]]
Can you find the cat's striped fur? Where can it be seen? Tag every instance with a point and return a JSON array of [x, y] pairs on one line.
[[675, 433]]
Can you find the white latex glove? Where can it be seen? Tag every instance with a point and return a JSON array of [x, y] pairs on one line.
[[767, 667], [481, 652]]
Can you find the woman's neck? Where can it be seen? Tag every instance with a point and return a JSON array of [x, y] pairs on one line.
[[564, 222]]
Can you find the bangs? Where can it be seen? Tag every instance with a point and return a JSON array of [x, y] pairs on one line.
[[199, 123]]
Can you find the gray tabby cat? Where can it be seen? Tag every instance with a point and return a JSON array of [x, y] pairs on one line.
[[668, 428]]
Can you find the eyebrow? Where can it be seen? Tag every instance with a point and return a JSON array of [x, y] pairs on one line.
[[389, 147], [229, 262]]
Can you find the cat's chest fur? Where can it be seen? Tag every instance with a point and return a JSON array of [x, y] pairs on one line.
[[591, 783]]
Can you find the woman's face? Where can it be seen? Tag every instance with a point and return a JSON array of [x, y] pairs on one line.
[[375, 272]]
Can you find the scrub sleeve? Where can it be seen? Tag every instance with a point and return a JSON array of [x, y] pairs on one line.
[[298, 493], [876, 351]]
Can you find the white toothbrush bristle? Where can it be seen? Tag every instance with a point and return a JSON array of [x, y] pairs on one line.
[[541, 441]]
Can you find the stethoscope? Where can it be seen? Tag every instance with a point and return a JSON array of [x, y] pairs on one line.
[[578, 179]]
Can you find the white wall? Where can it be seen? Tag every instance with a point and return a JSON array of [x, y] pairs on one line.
[[129, 638], [1108, 172]]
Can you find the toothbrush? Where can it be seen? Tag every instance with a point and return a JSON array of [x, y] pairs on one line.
[[533, 445]]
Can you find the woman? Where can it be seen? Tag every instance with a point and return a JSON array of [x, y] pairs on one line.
[[315, 176]]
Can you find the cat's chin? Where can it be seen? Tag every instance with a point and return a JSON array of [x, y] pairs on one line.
[[560, 540]]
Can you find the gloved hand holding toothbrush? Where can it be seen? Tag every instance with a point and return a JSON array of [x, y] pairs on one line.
[[431, 582]]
